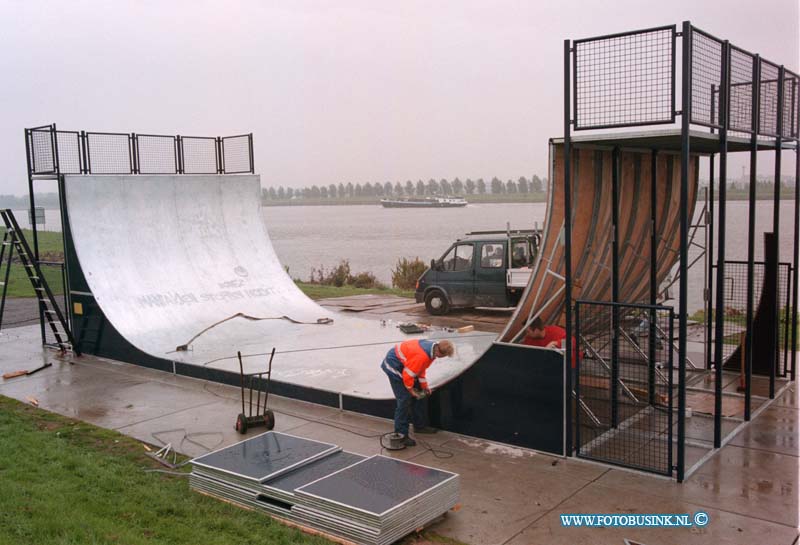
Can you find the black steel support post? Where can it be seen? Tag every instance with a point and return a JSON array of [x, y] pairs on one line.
[[796, 249], [567, 251], [57, 171], [709, 287], [62, 205], [134, 144], [719, 314], [178, 153], [6, 275], [670, 382], [751, 234], [651, 341], [577, 381], [31, 197], [776, 228], [787, 320], [32, 200], [84, 152], [250, 149], [615, 287], [686, 89], [131, 158]]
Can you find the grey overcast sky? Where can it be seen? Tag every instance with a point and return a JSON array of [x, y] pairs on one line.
[[334, 91]]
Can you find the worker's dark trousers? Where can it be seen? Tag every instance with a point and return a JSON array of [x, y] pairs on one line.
[[407, 408]]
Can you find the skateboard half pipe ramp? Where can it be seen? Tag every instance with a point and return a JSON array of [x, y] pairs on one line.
[[179, 271]]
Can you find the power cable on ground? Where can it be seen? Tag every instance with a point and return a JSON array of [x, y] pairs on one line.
[[437, 452]]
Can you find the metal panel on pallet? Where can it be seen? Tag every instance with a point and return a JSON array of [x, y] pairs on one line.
[[265, 456], [355, 488]]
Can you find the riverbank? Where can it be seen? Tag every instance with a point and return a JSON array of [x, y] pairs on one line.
[[373, 201], [504, 198], [51, 246], [519, 198]]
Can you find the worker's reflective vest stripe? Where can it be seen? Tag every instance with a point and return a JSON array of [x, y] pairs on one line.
[[410, 360]]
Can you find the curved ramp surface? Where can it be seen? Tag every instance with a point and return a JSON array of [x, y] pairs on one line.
[[167, 257], [592, 230]]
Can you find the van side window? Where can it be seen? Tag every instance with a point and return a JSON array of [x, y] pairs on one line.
[[520, 254], [458, 258], [492, 256]]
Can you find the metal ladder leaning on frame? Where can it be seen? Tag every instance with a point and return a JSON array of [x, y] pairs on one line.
[[15, 240]]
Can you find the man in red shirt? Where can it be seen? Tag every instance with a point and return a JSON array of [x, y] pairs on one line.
[[550, 336]]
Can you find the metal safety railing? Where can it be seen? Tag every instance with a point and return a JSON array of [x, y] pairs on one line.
[[52, 151], [629, 79]]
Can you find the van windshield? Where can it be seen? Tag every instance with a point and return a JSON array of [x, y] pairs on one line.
[[459, 258]]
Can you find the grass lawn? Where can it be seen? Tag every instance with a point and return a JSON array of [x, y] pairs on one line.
[[50, 249], [318, 291], [20, 286], [740, 322], [67, 482], [50, 242]]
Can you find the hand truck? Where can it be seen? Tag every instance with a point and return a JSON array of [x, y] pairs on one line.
[[260, 382]]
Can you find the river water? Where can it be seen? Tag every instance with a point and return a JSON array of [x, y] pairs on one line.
[[373, 238]]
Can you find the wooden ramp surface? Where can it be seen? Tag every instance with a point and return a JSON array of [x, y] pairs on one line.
[[592, 231]]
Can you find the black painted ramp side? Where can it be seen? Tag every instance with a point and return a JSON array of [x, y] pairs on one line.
[[764, 324], [513, 394]]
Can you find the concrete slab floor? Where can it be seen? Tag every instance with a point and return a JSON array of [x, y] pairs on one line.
[[509, 495]]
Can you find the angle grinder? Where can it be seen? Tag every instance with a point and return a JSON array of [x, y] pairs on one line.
[[419, 393], [394, 441]]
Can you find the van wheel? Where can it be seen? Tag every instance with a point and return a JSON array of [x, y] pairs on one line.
[[436, 303]]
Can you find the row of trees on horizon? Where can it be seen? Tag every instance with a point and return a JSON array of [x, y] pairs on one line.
[[765, 185], [409, 189]]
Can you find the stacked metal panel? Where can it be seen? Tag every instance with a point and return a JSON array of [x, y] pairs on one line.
[[378, 500], [275, 496], [375, 500]]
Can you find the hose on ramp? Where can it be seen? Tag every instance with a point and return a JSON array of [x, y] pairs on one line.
[[185, 347]]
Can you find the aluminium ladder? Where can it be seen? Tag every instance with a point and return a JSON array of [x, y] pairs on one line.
[[49, 309]]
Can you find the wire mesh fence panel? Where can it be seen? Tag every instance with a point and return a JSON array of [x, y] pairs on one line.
[[624, 386], [768, 99], [199, 155], [236, 157], [156, 154], [41, 151], [108, 153], [740, 115], [734, 324], [69, 152], [791, 88], [706, 74], [625, 80], [784, 318]]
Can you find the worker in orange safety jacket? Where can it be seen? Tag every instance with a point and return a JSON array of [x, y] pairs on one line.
[[405, 365]]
